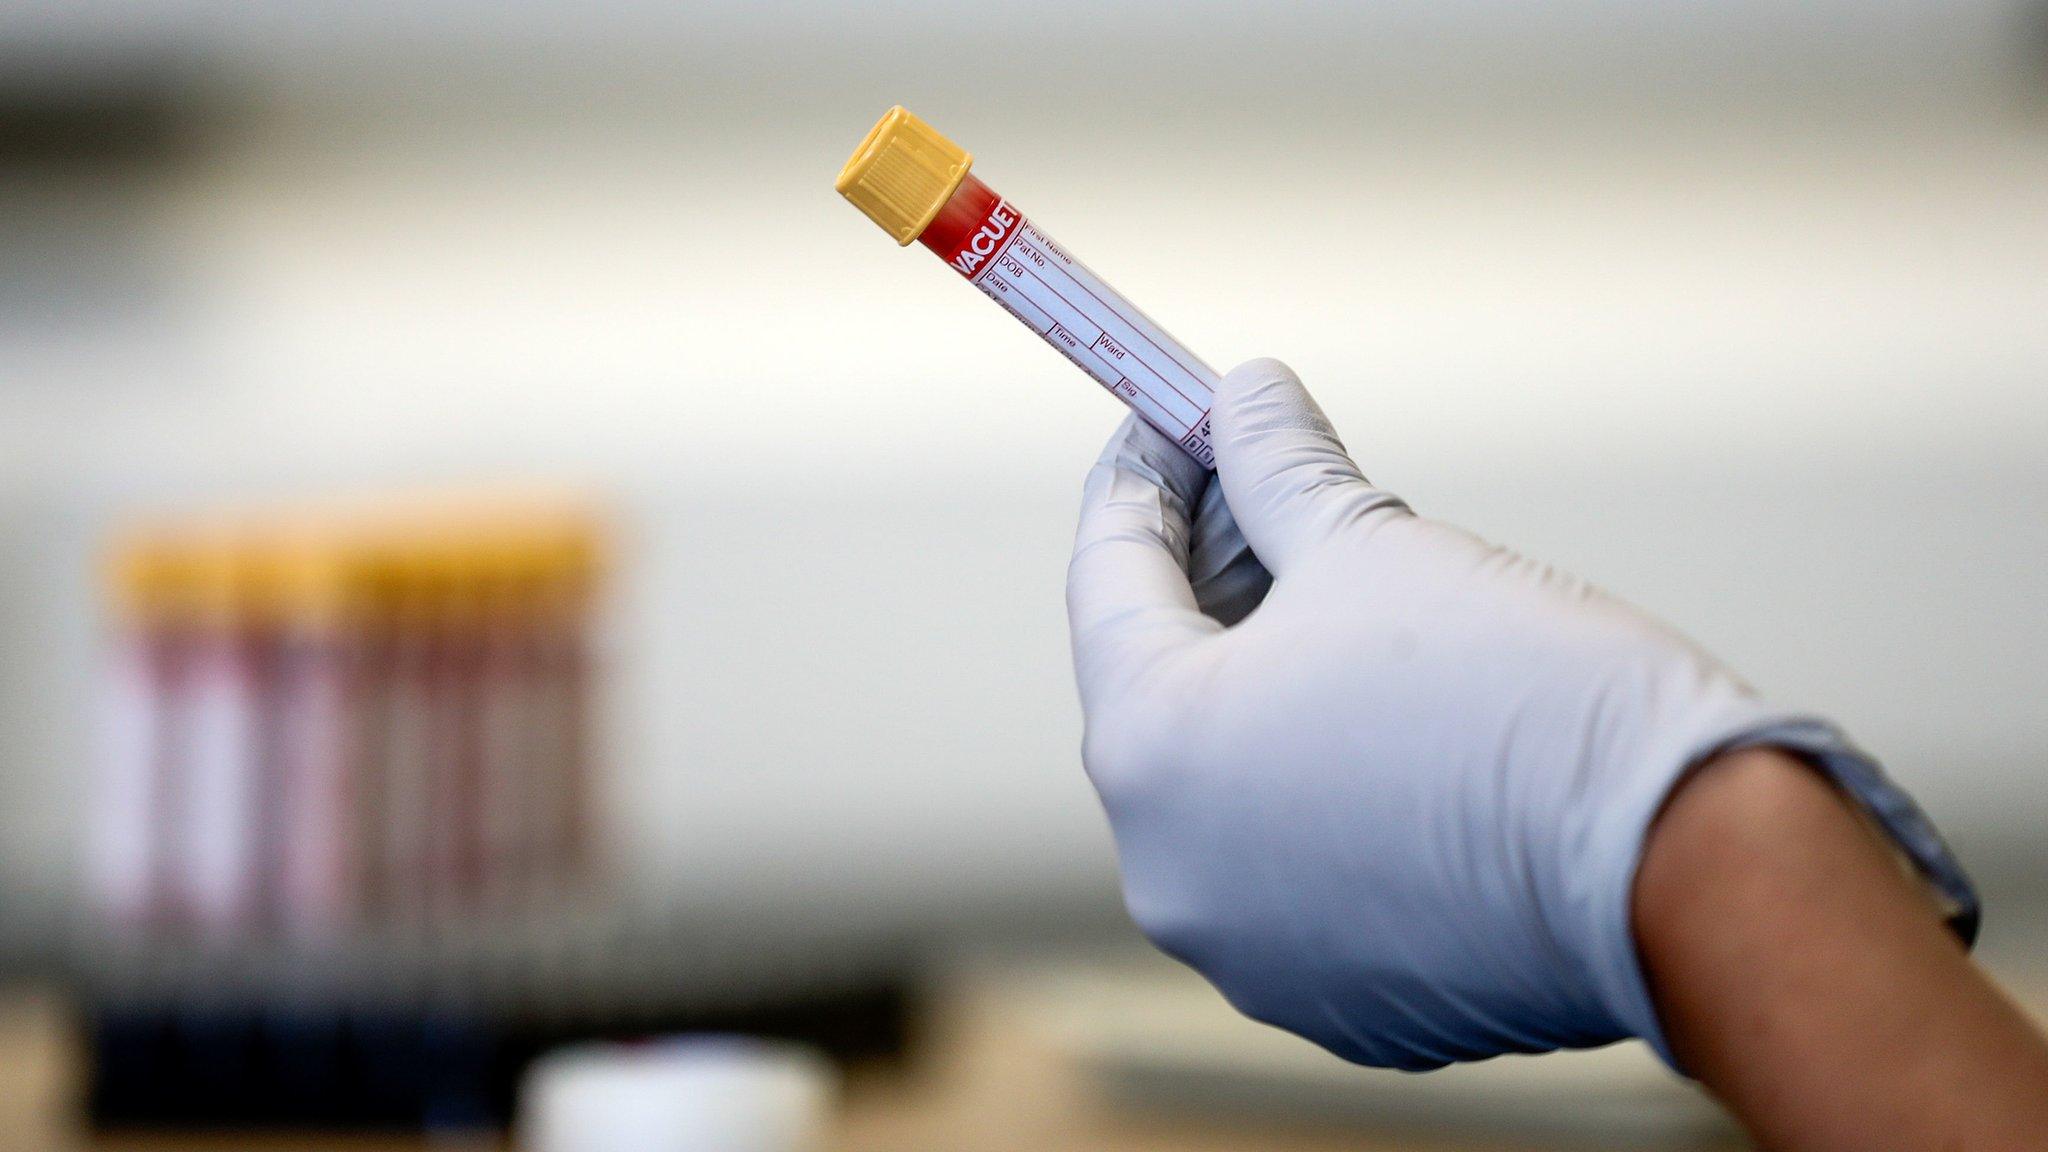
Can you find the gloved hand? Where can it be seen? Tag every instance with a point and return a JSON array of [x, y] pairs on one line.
[[1394, 803]]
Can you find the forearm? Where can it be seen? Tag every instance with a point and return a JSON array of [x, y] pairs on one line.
[[1811, 987]]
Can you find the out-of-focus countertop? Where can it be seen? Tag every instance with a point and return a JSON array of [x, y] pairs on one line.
[[1122, 1058], [1103, 1054], [1003, 1063]]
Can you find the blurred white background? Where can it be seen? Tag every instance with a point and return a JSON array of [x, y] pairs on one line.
[[1740, 309]]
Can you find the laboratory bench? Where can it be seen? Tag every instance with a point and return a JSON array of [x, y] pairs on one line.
[[1022, 1059]]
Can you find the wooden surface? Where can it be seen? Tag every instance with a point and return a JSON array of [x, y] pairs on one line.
[[990, 1079]]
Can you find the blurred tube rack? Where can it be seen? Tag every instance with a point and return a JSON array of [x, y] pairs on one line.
[[321, 721], [343, 869]]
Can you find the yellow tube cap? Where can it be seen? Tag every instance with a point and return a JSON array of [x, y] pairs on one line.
[[902, 174]]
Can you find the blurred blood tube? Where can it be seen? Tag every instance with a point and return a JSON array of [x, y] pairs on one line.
[[915, 183], [456, 833], [506, 706], [318, 690], [567, 625], [217, 814], [150, 590], [379, 723], [415, 733]]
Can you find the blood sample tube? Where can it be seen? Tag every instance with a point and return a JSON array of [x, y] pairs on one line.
[[915, 183], [222, 819], [152, 591], [318, 687]]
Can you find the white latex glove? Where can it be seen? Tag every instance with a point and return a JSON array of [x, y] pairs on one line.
[[1396, 805]]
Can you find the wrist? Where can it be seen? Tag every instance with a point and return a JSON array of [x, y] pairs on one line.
[[1808, 982], [1734, 818]]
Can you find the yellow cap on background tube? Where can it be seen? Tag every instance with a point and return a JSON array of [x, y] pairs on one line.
[[902, 174]]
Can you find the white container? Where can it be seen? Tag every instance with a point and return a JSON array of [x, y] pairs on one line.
[[679, 1094]]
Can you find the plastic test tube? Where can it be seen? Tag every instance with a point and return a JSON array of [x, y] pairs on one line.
[[915, 184]]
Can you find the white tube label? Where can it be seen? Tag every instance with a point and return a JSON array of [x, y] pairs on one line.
[[1018, 266]]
